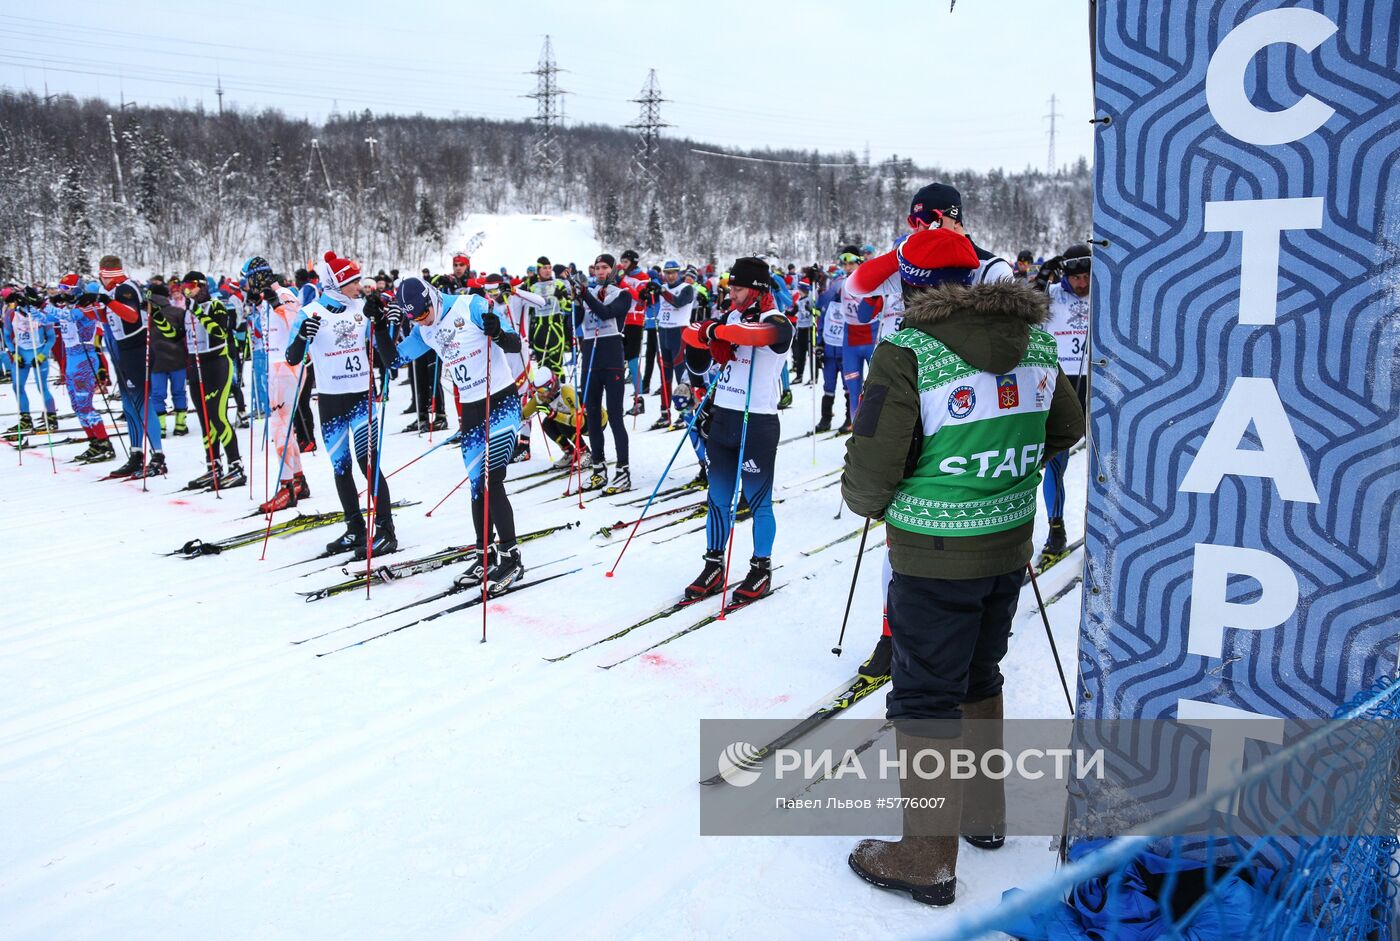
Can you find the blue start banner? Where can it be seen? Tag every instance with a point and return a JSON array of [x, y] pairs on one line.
[[1244, 493]]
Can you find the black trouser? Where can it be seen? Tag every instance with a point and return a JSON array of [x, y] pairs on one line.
[[237, 368], [948, 637], [302, 425], [800, 341], [606, 376], [349, 429], [427, 390], [211, 378], [651, 359], [473, 427]]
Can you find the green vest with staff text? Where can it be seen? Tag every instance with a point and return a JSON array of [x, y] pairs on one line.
[[983, 440]]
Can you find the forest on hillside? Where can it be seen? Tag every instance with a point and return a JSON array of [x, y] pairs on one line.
[[170, 189]]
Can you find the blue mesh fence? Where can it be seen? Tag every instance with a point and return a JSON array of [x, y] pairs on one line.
[[1341, 780]]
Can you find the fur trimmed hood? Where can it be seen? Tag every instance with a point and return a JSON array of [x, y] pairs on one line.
[[988, 325], [1001, 299]]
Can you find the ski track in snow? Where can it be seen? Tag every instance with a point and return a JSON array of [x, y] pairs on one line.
[[174, 767]]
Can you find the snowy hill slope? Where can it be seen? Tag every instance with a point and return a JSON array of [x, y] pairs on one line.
[[173, 766], [515, 240]]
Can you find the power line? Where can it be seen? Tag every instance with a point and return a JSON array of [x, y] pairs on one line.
[[549, 113], [648, 126], [790, 163]]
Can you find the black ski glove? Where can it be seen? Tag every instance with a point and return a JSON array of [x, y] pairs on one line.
[[393, 317], [491, 324], [309, 327]]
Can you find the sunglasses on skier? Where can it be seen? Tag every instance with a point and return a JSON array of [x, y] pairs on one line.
[[1075, 266]]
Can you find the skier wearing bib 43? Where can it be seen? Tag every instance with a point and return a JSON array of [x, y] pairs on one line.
[[749, 343], [334, 329], [961, 407], [467, 331]]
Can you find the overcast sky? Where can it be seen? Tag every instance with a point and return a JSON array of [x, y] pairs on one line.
[[968, 88]]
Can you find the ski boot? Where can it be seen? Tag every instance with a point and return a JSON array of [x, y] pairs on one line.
[[308, 446], [132, 466], [785, 400], [476, 571], [285, 496], [664, 422], [25, 426], [417, 425], [102, 451], [242, 418], [876, 668], [709, 580], [757, 583], [439, 423], [845, 428], [87, 454], [1054, 548], [505, 571], [155, 467], [639, 406], [828, 403], [303, 490], [621, 482], [233, 477], [566, 461], [700, 481], [50, 422], [349, 541], [160, 420], [411, 407], [205, 481], [182, 427], [522, 451], [598, 476], [384, 543]]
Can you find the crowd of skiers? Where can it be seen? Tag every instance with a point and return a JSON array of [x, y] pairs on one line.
[[964, 379]]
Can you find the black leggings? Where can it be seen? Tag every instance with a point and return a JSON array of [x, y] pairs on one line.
[[799, 351], [651, 358], [211, 378], [607, 376], [502, 513], [302, 424], [427, 390]]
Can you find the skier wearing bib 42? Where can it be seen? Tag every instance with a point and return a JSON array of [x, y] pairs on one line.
[[468, 331], [750, 343], [961, 407], [334, 329]]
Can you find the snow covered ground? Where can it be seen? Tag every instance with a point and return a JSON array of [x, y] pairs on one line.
[[173, 766]]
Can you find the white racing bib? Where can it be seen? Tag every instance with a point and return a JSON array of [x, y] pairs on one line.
[[338, 353]]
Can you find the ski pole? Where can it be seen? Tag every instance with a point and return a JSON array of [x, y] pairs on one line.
[[486, 492], [579, 407], [1045, 618], [106, 399], [860, 554], [813, 342], [290, 405], [376, 448], [43, 389], [146, 406], [452, 439], [449, 494], [685, 439], [204, 406], [738, 484]]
